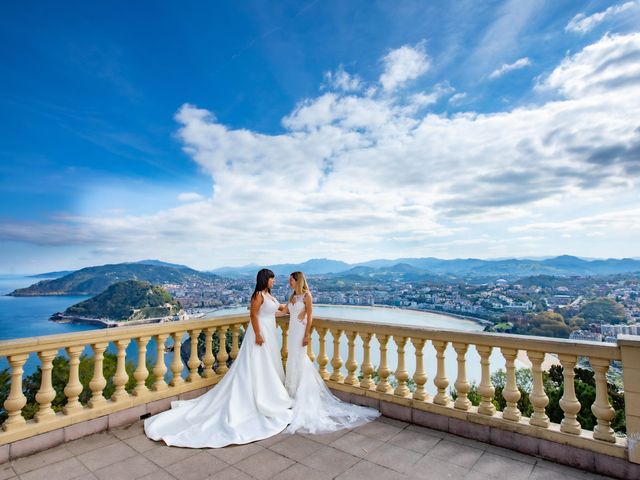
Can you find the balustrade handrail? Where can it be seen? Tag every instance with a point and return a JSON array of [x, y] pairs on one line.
[[490, 339], [33, 344]]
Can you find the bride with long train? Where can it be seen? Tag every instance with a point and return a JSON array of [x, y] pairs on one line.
[[316, 409], [249, 403]]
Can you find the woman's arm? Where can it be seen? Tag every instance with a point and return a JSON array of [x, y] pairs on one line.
[[283, 310], [253, 314], [308, 305]]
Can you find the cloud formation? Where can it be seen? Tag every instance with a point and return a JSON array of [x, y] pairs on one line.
[[358, 169], [508, 67], [582, 23]]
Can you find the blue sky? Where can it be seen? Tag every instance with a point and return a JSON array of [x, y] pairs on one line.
[[215, 133]]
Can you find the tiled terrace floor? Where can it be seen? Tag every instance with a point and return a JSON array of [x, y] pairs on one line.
[[384, 449]]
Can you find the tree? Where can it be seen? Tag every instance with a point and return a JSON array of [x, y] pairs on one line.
[[603, 310]]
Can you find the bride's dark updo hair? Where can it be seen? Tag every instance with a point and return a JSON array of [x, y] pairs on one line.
[[262, 281]]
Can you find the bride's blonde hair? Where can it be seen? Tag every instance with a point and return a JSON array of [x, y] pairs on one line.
[[302, 286]]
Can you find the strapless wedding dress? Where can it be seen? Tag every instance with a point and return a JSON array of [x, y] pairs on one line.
[[249, 403], [316, 409]]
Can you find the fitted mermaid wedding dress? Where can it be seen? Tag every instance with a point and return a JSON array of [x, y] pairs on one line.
[[249, 403], [316, 409]]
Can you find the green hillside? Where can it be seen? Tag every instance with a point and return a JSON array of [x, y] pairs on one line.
[[128, 300], [94, 280]]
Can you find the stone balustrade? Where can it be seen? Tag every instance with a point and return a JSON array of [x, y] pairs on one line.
[[353, 376]]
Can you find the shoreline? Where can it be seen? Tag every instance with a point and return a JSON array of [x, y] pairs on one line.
[[104, 322]]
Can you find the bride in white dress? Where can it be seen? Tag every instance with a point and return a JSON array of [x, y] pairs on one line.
[[249, 403], [316, 409]]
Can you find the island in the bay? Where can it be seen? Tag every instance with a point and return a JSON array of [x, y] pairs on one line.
[[129, 302]]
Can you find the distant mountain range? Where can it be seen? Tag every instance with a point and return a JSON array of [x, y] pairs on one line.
[[564, 265], [94, 280]]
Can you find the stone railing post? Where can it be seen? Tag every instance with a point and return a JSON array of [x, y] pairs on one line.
[[420, 377], [73, 389], [630, 352], [462, 383], [323, 359], [538, 397], [510, 392], [160, 369], [367, 367], [569, 402], [208, 358], [336, 361], [352, 364], [194, 361], [222, 356], [601, 408], [441, 381], [98, 382], [176, 362], [486, 388], [141, 373], [383, 370], [46, 393], [16, 399], [401, 372], [121, 377]]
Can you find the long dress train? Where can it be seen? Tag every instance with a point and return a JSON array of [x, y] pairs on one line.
[[316, 409], [249, 403]]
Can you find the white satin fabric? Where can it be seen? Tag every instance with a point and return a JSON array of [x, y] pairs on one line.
[[249, 403], [316, 409]]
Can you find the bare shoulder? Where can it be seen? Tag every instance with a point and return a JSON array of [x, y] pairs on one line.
[[308, 297]]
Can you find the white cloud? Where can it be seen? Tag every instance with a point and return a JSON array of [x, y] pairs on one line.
[[603, 67], [457, 98], [358, 175], [508, 67], [582, 23], [190, 197], [424, 99], [341, 80], [402, 65]]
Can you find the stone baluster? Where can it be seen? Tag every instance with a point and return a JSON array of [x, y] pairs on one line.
[[98, 382], [462, 383], [323, 359], [336, 360], [383, 370], [222, 356], [367, 367], [16, 399], [208, 359], [176, 362], [310, 353], [121, 377], [160, 369], [194, 361], [539, 398], [284, 350], [141, 372], [569, 402], [420, 377], [441, 381], [235, 333], [73, 389], [601, 408], [46, 393], [352, 364], [510, 392], [486, 388], [401, 372]]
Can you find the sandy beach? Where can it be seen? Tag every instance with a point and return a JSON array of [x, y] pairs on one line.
[[522, 361]]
